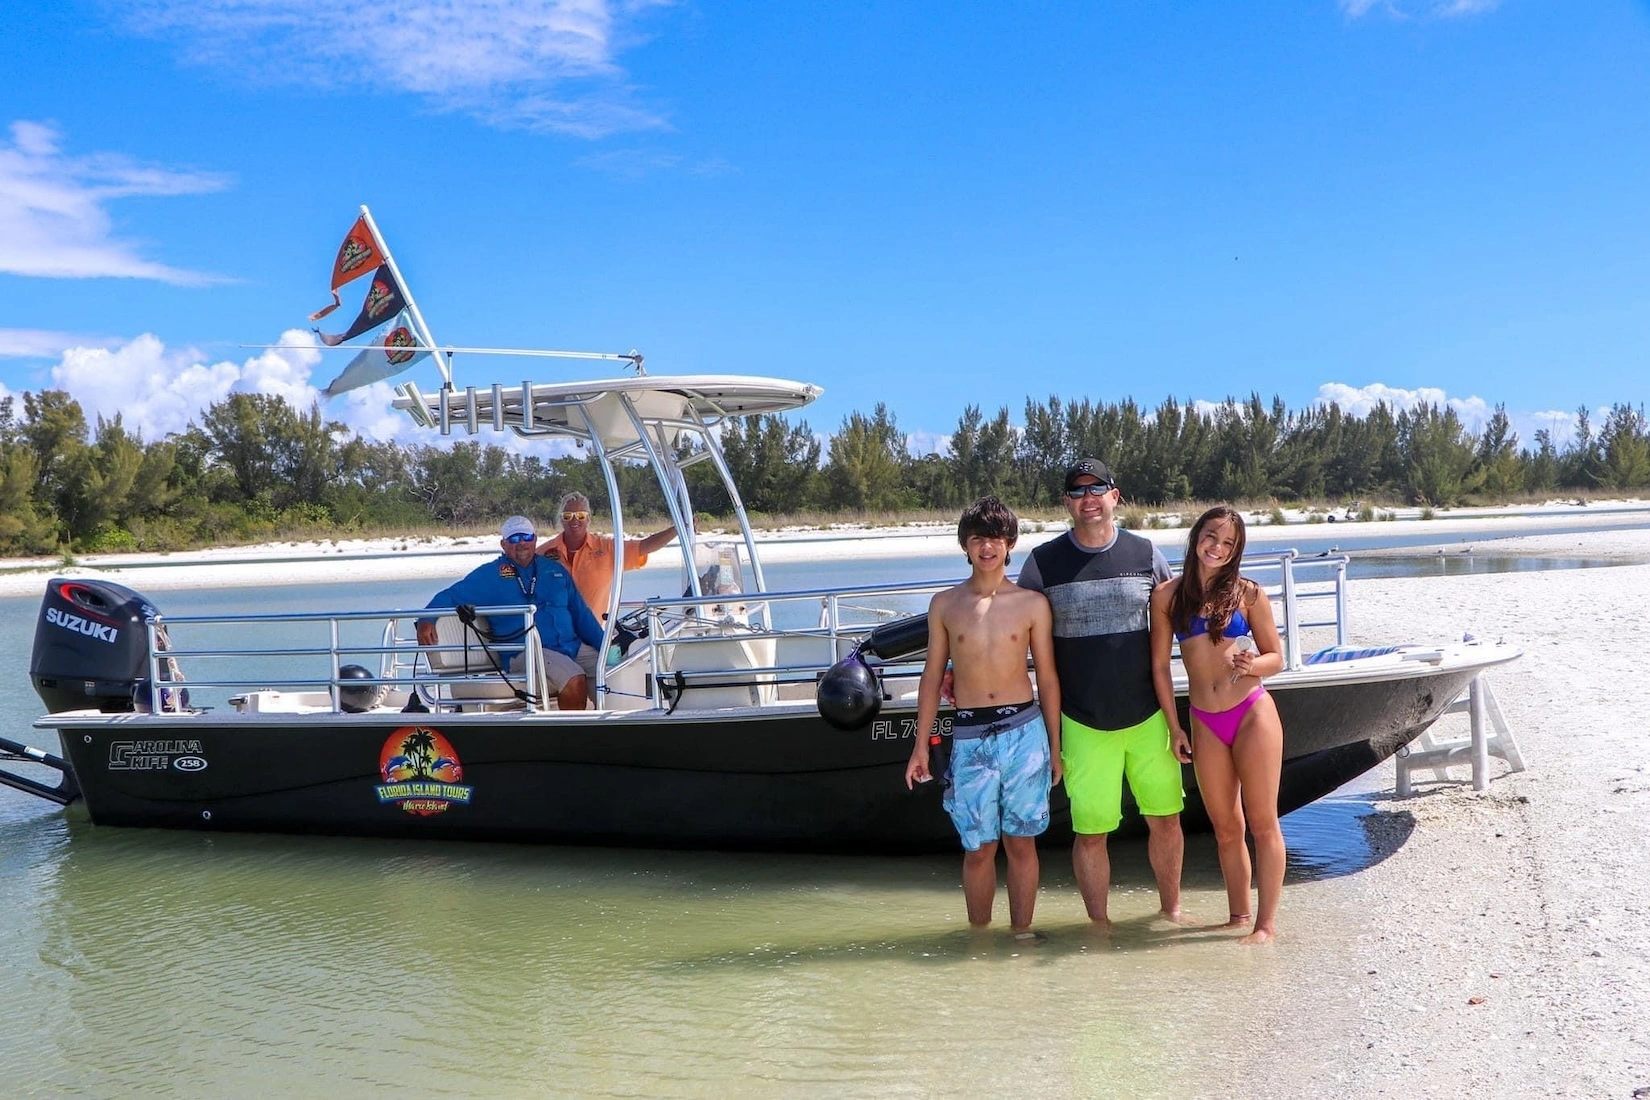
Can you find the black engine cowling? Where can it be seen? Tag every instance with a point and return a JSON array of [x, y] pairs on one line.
[[91, 645]]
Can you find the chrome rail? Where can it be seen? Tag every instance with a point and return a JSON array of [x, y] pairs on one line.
[[667, 615], [1299, 586], [393, 672]]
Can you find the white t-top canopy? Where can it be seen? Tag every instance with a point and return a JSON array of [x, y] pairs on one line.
[[610, 409]]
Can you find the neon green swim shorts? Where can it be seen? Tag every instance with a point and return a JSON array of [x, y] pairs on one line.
[[1097, 760]]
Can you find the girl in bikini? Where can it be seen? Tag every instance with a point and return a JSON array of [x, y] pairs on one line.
[[1228, 642]]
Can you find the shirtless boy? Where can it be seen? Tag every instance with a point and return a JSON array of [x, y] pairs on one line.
[[1004, 755]]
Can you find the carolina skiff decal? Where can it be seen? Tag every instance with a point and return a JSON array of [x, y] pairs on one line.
[[152, 756], [421, 772], [103, 632], [884, 729]]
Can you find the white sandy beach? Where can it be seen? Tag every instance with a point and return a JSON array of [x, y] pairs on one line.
[[400, 558], [1502, 943]]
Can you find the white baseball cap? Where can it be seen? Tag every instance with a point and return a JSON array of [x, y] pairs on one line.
[[517, 525]]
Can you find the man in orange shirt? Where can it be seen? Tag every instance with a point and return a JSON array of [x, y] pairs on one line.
[[589, 555]]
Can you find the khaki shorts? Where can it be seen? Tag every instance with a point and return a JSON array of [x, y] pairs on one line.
[[587, 661]]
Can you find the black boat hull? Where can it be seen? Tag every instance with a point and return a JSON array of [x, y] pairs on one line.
[[735, 780]]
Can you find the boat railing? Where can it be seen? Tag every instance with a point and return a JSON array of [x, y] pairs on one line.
[[399, 658], [1299, 586], [725, 646], [1301, 596]]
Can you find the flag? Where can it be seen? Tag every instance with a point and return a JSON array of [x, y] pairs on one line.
[[384, 300], [398, 350], [358, 255]]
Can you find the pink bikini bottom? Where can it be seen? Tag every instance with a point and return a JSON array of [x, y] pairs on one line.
[[1224, 723]]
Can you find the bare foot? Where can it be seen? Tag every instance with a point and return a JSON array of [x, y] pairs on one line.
[[1100, 926], [1026, 935], [1179, 916], [1237, 920], [1256, 938]]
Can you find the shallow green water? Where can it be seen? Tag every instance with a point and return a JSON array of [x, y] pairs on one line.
[[143, 960]]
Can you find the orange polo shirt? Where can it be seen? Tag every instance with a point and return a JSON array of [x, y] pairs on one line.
[[592, 565]]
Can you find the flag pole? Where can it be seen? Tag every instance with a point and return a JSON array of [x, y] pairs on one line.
[[406, 292]]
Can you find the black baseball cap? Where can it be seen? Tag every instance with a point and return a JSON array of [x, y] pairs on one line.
[[1093, 467]]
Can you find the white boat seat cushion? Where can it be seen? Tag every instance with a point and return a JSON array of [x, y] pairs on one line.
[[480, 679]]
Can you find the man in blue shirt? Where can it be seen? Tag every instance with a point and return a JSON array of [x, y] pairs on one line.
[[519, 576]]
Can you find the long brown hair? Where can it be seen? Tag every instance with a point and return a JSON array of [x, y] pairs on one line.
[[1218, 597]]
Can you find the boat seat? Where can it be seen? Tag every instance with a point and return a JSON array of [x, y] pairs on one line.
[[468, 675], [708, 647]]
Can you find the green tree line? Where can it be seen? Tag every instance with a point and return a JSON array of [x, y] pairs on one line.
[[253, 466]]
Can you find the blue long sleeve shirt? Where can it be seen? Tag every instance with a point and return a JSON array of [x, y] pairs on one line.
[[560, 612]]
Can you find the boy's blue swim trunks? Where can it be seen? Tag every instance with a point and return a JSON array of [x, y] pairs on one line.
[[999, 783]]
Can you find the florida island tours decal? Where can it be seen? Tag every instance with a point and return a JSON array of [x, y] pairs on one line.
[[421, 772]]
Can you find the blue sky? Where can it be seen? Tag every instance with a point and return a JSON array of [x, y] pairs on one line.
[[928, 204]]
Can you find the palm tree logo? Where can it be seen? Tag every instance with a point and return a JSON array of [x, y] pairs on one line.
[[419, 753], [419, 750]]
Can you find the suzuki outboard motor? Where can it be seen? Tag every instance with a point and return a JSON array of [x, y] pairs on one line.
[[91, 645]]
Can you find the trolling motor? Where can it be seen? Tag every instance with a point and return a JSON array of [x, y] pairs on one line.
[[850, 692], [91, 647]]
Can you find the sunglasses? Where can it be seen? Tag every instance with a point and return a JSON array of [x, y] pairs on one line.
[[575, 517], [1098, 489], [518, 539]]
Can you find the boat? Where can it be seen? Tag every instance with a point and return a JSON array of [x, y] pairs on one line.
[[731, 717]]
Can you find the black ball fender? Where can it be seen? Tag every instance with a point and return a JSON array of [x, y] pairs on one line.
[[357, 698], [850, 693]]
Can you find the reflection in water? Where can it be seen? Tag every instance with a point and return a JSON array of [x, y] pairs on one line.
[[1332, 837]]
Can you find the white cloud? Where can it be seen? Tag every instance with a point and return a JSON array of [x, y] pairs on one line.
[[919, 443], [1474, 412], [1559, 425], [368, 412], [1424, 9], [157, 391], [519, 64], [38, 343], [54, 221]]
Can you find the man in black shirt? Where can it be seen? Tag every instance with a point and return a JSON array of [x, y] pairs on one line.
[[1099, 581]]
